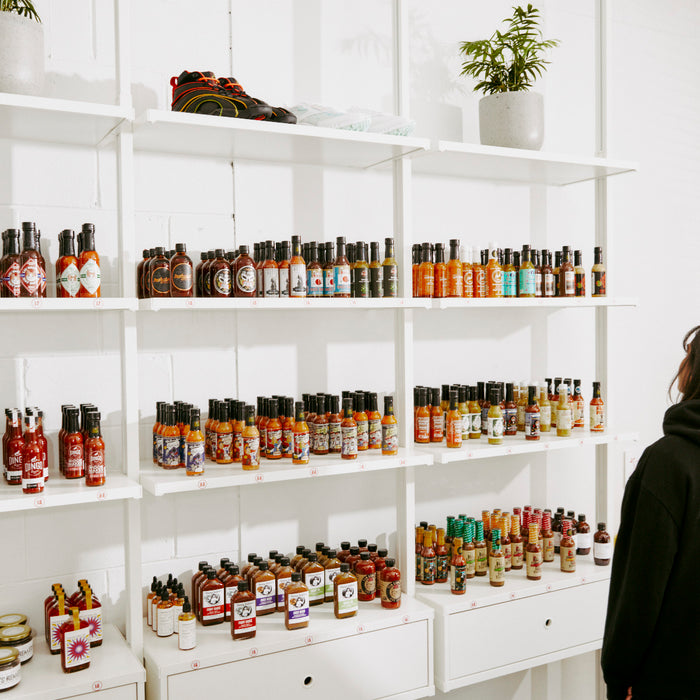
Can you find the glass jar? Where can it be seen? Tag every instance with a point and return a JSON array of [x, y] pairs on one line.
[[20, 638], [10, 619], [10, 673]]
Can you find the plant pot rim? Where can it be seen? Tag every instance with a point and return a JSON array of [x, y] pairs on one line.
[[508, 93]]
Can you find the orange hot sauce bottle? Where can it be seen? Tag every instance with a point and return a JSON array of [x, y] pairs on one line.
[[300, 436], [422, 421], [262, 427], [251, 441], [415, 269], [467, 272], [194, 446], [494, 274], [390, 428], [437, 424], [597, 411], [362, 421], [67, 272], [426, 274], [374, 420], [440, 272], [533, 554], [390, 585], [32, 467], [348, 431], [237, 423], [455, 271], [321, 436], [274, 431], [288, 429], [478, 275]]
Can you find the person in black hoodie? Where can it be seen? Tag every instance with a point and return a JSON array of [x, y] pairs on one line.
[[651, 647]]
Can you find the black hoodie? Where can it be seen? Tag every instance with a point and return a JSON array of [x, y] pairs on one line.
[[652, 630]]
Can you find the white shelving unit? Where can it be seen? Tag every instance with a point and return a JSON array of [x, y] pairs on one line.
[[398, 643]]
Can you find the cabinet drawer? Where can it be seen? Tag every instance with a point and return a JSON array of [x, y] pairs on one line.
[[378, 664], [498, 635]]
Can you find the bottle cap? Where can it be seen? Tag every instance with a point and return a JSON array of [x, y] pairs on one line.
[[601, 526], [345, 545], [354, 551], [345, 567], [312, 556], [264, 566], [242, 586], [364, 556], [180, 247]]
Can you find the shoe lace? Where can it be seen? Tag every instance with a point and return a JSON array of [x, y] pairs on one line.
[[213, 83], [236, 88]]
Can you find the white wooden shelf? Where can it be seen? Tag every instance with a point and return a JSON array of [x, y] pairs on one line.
[[65, 492], [58, 121], [517, 444], [537, 303], [222, 137], [242, 304], [480, 593], [513, 165], [215, 645], [112, 665], [159, 482], [54, 304]]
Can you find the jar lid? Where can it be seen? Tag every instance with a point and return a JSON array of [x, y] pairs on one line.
[[12, 619], [15, 633], [8, 655]]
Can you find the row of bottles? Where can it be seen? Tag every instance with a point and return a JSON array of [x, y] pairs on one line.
[[280, 429], [501, 542], [81, 448], [23, 273], [275, 270], [496, 273], [457, 412], [288, 584]]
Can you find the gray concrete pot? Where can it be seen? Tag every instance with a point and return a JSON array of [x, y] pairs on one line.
[[512, 119], [21, 54]]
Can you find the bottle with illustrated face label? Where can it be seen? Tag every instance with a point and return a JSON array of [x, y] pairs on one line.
[[243, 618], [345, 601], [296, 603]]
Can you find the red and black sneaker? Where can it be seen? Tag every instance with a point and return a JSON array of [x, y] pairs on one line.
[[282, 115], [200, 92], [248, 107]]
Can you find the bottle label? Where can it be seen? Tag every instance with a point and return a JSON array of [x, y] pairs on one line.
[[580, 278], [390, 591], [545, 416], [516, 554], [466, 424], [361, 282], [160, 281], [271, 282], [362, 434], [229, 592], [482, 561], [265, 595], [76, 648], [90, 276], [335, 437], [376, 279], [390, 438], [423, 428], [297, 280], [577, 416], [468, 286], [56, 622], [165, 621], [584, 540], [454, 431], [282, 583], [312, 437], [251, 451], [245, 279], [12, 279], [181, 277], [442, 566], [557, 540], [375, 433], [95, 464], [347, 597], [602, 550], [509, 283], [533, 564], [497, 568], [258, 281], [527, 281], [14, 466], [237, 447], [564, 419], [222, 282], [349, 440], [315, 582], [475, 422], [484, 420], [274, 443], [569, 283], [194, 459], [510, 423], [75, 461], [301, 447], [548, 548], [213, 604], [330, 575], [494, 427], [458, 578], [187, 634], [367, 584], [287, 443], [538, 284], [341, 279], [29, 276], [568, 558], [328, 283], [299, 607], [532, 424], [549, 284], [70, 280], [321, 437], [243, 617], [597, 283], [171, 451], [284, 281], [597, 416], [428, 568], [314, 282]]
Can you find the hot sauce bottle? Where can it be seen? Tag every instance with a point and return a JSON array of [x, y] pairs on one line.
[[159, 273], [89, 265], [10, 267], [436, 417], [454, 422], [494, 273], [442, 558], [390, 271], [474, 415], [297, 270], [563, 412], [547, 274], [422, 419], [458, 569], [328, 276], [374, 421], [481, 551], [583, 536], [579, 274], [32, 465], [532, 415], [509, 274], [538, 273], [479, 285], [361, 273], [75, 643], [265, 589], [556, 270], [545, 408], [516, 544], [14, 450], [274, 431], [533, 554], [31, 270], [251, 441], [288, 429], [597, 411], [579, 406], [598, 274], [67, 272], [440, 272], [526, 280], [362, 422], [300, 437], [426, 273], [199, 279], [194, 446], [95, 467], [181, 273], [547, 538], [495, 419], [43, 443], [510, 426], [567, 549], [296, 603], [467, 272], [335, 420], [348, 429], [244, 281], [169, 449], [73, 447], [428, 560], [497, 569], [341, 271], [602, 547], [455, 273], [345, 594], [243, 618], [220, 273], [567, 274], [376, 272]]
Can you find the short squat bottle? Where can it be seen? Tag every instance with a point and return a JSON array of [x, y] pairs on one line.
[[345, 601], [243, 618], [296, 604]]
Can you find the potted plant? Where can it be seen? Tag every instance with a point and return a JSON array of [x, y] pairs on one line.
[[21, 48], [506, 65]]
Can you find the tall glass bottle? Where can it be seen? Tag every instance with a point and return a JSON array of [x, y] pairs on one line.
[[341, 271], [478, 275], [300, 437], [533, 554], [10, 275], [297, 270], [567, 274], [67, 272], [598, 274], [510, 425], [95, 466], [361, 273], [467, 272], [243, 272], [455, 276], [159, 271], [181, 273], [440, 272], [495, 419], [328, 276], [579, 274], [564, 417], [494, 273], [314, 273], [509, 274], [453, 423], [390, 271], [89, 265], [251, 441], [31, 270], [426, 273], [390, 428], [526, 280], [597, 411], [348, 430], [532, 415]]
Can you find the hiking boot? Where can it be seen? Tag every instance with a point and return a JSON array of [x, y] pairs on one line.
[[248, 107], [199, 92]]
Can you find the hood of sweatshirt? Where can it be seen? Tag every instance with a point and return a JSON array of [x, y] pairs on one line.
[[683, 419]]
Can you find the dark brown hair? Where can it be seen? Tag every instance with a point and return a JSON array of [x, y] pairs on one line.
[[691, 345]]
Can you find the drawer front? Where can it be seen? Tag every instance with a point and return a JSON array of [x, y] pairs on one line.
[[481, 639], [122, 692], [367, 666]]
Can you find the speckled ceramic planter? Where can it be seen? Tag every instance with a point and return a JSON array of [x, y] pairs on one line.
[[512, 119], [21, 54]]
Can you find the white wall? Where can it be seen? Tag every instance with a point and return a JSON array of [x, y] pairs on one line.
[[339, 53]]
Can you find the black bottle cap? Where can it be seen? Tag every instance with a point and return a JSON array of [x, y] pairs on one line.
[[345, 567], [345, 545], [296, 577], [160, 250], [300, 549], [264, 566], [581, 518], [242, 586], [223, 561], [601, 526], [383, 552], [361, 543], [284, 561], [211, 574], [372, 547], [306, 552], [332, 553], [320, 545], [233, 569], [312, 556], [390, 563], [180, 248], [364, 556], [354, 551], [454, 397], [252, 557], [435, 397]]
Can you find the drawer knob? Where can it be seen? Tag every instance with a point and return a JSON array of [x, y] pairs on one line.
[[308, 681], [548, 623]]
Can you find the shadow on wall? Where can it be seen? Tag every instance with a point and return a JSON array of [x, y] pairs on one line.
[[434, 84]]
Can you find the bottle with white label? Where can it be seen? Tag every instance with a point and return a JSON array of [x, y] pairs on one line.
[[584, 538], [89, 264], [243, 618], [212, 600], [297, 270], [67, 272], [564, 412], [332, 569], [186, 627], [164, 611], [345, 601], [296, 604], [265, 589], [602, 546]]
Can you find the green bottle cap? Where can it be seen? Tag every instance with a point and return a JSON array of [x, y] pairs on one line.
[[479, 530]]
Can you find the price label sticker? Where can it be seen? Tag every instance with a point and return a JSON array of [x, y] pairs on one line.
[[101, 495], [189, 303], [313, 471], [470, 455], [360, 629], [254, 302], [196, 664], [307, 302], [362, 466], [546, 445], [202, 484], [472, 604], [512, 596], [583, 579], [581, 443], [402, 462], [309, 639], [97, 685], [36, 303], [405, 619], [253, 651], [98, 303], [259, 478], [509, 451], [548, 587], [39, 502]]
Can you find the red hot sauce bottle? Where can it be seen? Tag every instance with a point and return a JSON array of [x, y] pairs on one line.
[[95, 467], [31, 269], [10, 277], [89, 265], [67, 272], [32, 466]]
